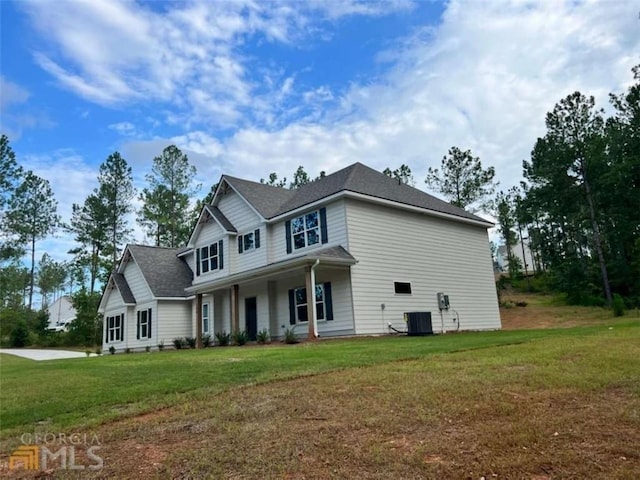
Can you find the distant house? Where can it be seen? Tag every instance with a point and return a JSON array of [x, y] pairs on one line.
[[520, 250], [61, 314], [347, 254]]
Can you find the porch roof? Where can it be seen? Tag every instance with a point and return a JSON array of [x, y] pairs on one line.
[[328, 256]]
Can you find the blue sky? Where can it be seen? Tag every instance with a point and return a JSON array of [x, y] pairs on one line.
[[247, 88]]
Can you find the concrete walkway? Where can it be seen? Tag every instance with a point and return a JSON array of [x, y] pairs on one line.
[[39, 354]]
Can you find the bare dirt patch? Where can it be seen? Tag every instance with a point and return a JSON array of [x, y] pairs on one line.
[[541, 312]]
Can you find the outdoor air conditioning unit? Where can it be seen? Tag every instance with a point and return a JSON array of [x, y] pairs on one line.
[[418, 323]]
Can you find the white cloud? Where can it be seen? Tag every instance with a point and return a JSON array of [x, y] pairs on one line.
[[124, 128], [13, 98], [11, 93], [188, 55], [483, 79]]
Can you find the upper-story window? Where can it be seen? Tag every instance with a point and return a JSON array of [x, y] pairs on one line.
[[249, 241], [307, 230], [209, 258]]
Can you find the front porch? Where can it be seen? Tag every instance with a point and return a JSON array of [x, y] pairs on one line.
[[310, 295]]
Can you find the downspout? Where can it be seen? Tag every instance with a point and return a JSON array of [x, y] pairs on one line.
[[313, 291]]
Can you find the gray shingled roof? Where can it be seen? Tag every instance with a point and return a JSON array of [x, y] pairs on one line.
[[166, 274], [266, 199], [357, 178], [338, 252], [224, 221], [123, 288]]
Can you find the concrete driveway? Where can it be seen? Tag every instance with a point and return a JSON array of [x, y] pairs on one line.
[[40, 354]]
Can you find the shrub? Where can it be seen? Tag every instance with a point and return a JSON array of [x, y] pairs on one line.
[[53, 339], [206, 340], [223, 338], [20, 334], [179, 343], [618, 305], [240, 338], [290, 336], [191, 341], [161, 345], [112, 350], [507, 304], [263, 336]]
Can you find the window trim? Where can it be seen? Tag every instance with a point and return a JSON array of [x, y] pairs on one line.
[[203, 262], [208, 260], [306, 230], [147, 323], [207, 317], [255, 241], [115, 331], [323, 236], [396, 286], [326, 304]]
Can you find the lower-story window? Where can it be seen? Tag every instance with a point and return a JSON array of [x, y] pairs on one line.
[[114, 328], [298, 303], [144, 324], [205, 319]]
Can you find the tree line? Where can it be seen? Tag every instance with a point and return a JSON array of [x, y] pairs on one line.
[[579, 205]]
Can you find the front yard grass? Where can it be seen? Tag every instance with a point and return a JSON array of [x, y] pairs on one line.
[[542, 404]]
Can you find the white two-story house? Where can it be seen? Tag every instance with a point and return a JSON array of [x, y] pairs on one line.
[[348, 254]]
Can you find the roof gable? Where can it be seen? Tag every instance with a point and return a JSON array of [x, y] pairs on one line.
[[209, 212], [165, 273], [264, 199]]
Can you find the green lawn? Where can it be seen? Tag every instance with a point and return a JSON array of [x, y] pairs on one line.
[[58, 395]]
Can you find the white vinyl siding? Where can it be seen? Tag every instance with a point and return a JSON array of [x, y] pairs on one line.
[[336, 233], [114, 301], [239, 213], [137, 284], [209, 232], [172, 319], [433, 254], [257, 257], [221, 312]]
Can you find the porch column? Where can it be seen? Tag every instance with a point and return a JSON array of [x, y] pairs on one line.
[[311, 301], [235, 309], [199, 320]]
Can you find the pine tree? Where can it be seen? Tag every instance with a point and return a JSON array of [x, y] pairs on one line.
[[461, 179], [10, 176], [165, 212], [32, 216], [89, 223], [114, 193]]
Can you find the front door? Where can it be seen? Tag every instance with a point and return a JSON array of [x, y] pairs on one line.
[[251, 317]]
